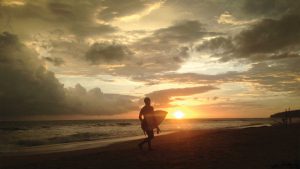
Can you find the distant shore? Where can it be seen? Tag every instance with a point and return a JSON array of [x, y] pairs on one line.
[[253, 148]]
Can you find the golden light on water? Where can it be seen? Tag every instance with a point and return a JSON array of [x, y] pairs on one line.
[[178, 114]]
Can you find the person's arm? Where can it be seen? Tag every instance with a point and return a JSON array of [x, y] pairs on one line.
[[141, 115]]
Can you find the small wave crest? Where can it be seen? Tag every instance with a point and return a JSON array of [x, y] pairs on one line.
[[12, 128], [63, 139]]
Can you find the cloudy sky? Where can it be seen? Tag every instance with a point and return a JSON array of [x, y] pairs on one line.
[[71, 59]]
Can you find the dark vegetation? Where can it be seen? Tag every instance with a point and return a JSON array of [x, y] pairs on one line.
[[291, 114]]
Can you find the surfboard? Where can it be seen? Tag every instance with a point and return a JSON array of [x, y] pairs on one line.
[[155, 119]]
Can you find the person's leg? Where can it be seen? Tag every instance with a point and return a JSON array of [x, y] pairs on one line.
[[150, 134], [145, 140]]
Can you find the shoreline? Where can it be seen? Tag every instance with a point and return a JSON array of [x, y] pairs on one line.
[[72, 146], [85, 145], [258, 147]]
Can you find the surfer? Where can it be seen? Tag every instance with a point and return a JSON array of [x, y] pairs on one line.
[[146, 114]]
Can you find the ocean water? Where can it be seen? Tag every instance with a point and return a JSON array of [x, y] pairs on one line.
[[14, 135]]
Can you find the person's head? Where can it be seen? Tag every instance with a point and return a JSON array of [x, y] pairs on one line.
[[147, 101]]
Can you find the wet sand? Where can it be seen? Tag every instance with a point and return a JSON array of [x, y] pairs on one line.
[[250, 148], [73, 146]]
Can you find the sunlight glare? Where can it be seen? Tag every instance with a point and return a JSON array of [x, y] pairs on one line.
[[178, 114]]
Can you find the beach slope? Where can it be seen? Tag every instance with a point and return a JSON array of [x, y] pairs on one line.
[[249, 148]]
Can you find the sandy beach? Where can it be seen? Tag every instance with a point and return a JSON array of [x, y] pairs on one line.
[[259, 147]]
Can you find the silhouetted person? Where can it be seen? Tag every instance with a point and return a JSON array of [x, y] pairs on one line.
[[147, 112]]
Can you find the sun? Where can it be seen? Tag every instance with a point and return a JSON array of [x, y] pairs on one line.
[[178, 114]]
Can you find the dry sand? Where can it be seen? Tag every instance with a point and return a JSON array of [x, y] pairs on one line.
[[250, 148]]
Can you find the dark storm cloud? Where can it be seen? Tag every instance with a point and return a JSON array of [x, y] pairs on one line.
[[217, 47], [270, 8], [162, 98], [270, 36], [164, 50], [271, 46], [55, 60], [82, 18], [266, 40], [27, 88], [79, 17], [151, 62], [103, 53], [242, 11], [40, 16], [182, 31], [215, 44]]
